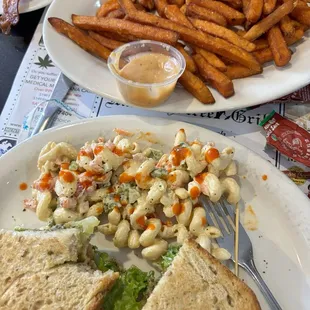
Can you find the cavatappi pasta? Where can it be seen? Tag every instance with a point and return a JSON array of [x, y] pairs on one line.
[[149, 197]]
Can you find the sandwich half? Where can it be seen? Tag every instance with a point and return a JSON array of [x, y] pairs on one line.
[[50, 270], [197, 281]]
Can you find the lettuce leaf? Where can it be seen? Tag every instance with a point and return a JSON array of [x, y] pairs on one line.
[[105, 262], [166, 259], [131, 290]]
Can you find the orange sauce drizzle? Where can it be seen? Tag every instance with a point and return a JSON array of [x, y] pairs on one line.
[[23, 186], [82, 152], [176, 208], [172, 178], [99, 209], [199, 178], [118, 152], [67, 176], [141, 221], [182, 208], [140, 178], [98, 149], [86, 184], [151, 226], [194, 192], [44, 182], [211, 154], [117, 198], [89, 174], [179, 154], [126, 178], [64, 166]]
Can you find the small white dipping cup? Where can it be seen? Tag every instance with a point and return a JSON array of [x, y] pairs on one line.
[[144, 94]]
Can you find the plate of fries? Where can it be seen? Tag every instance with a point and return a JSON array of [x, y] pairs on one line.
[[238, 53]]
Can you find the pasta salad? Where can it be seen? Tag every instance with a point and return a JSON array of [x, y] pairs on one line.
[[148, 196]]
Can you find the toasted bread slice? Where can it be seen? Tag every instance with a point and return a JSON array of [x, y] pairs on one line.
[[32, 251], [48, 270], [69, 286], [196, 280]]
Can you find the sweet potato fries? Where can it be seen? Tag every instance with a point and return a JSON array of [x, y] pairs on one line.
[[215, 51]]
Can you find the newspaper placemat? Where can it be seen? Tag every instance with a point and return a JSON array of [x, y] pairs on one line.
[[37, 74]]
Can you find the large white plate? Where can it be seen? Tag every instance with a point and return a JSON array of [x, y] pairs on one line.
[[29, 5], [93, 74], [281, 242]]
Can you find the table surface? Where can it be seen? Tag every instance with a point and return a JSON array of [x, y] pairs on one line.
[[13, 49]]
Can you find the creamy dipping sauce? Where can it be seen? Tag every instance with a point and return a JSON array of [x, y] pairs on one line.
[[147, 68], [150, 68]]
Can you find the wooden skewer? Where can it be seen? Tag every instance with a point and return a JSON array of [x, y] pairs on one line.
[[237, 240]]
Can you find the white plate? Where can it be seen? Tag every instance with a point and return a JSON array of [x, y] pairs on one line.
[[29, 5], [93, 74], [281, 243]]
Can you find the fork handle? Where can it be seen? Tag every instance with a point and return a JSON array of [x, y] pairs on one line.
[[251, 269]]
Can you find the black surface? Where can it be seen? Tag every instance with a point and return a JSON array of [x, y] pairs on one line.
[[12, 50]]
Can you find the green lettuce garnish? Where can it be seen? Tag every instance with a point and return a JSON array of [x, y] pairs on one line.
[[105, 262], [130, 291], [132, 288], [166, 259]]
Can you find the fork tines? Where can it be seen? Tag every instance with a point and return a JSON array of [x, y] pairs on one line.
[[221, 215]]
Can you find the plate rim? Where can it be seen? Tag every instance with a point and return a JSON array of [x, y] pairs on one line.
[[103, 125], [161, 108], [32, 8], [83, 122]]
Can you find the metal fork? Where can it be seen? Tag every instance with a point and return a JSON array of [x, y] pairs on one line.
[[222, 216]]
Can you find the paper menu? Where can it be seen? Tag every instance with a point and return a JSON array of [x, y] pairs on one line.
[[37, 75]]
